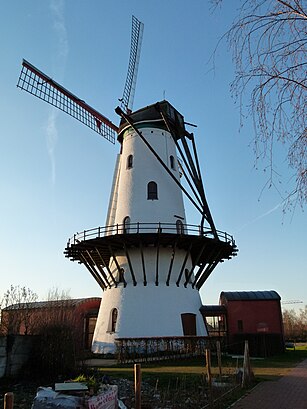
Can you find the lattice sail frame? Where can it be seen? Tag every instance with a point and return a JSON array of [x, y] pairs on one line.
[[135, 51], [40, 85]]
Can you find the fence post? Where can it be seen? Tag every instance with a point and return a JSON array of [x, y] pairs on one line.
[[219, 358], [9, 400], [137, 385], [247, 370], [209, 376]]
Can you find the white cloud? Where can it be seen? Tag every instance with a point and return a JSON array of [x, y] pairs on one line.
[[51, 139], [60, 57], [57, 10]]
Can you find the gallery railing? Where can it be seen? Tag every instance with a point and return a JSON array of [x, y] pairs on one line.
[[139, 228]]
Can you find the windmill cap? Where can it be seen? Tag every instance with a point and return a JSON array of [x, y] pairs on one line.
[[155, 114]]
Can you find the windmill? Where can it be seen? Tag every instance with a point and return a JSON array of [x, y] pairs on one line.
[[148, 261]]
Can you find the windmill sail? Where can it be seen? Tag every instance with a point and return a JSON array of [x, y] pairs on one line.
[[135, 50], [40, 85]]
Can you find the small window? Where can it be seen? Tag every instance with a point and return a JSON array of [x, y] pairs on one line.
[[114, 314], [179, 227], [172, 162], [126, 225], [130, 162], [121, 275], [152, 191]]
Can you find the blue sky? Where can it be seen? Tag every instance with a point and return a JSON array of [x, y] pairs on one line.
[[56, 173]]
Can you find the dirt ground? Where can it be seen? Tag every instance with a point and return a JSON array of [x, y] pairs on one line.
[[24, 393]]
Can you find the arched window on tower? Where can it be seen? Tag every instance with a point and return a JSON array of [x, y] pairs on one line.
[[152, 191], [113, 320], [121, 275], [126, 225], [172, 162], [130, 162]]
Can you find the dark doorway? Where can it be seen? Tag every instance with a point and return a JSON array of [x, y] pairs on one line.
[[188, 323]]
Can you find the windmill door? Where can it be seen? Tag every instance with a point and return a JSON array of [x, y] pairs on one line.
[[188, 323]]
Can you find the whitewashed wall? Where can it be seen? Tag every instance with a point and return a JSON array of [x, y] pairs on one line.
[[151, 310]]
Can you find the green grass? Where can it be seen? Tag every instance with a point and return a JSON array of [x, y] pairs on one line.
[[172, 378], [279, 365], [268, 368]]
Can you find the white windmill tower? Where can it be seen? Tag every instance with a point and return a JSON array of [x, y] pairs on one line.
[[148, 261]]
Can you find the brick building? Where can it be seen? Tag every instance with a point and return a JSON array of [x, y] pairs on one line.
[[30, 318], [247, 315]]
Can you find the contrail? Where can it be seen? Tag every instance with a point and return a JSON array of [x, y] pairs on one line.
[[57, 12], [261, 216]]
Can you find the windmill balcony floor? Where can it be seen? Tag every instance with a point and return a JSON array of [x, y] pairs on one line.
[[95, 247]]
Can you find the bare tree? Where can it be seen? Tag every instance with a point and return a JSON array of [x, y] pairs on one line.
[[56, 324], [16, 310], [303, 323], [290, 322], [56, 310], [268, 40], [295, 324]]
